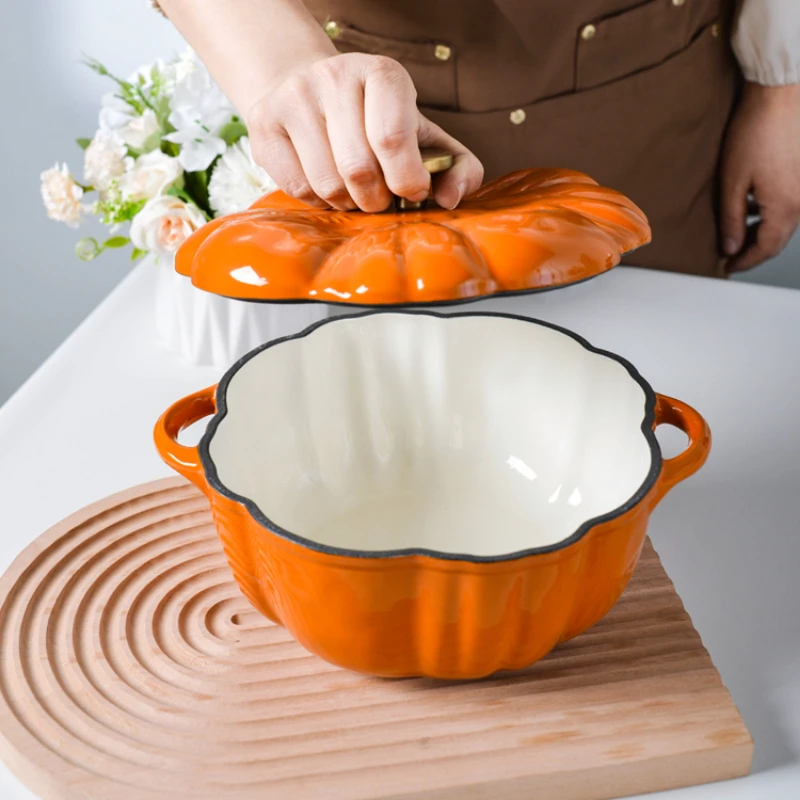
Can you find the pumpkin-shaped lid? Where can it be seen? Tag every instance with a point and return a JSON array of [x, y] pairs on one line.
[[529, 230]]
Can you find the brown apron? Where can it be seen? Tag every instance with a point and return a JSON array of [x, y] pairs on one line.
[[636, 94]]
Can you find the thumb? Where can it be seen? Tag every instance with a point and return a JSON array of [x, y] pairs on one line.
[[733, 211]]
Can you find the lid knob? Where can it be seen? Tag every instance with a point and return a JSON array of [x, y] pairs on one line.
[[434, 160]]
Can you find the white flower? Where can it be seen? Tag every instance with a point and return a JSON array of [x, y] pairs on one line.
[[199, 111], [105, 160], [164, 224], [61, 195], [138, 130], [119, 117], [237, 181], [185, 63], [115, 113], [166, 73], [152, 174]]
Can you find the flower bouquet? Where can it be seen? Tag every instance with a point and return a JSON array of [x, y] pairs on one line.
[[170, 154]]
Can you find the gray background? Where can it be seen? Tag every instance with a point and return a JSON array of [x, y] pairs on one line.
[[48, 98]]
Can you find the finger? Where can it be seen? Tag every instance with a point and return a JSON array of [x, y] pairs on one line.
[[466, 174], [390, 121], [276, 154], [733, 208], [352, 154], [310, 139], [773, 234]]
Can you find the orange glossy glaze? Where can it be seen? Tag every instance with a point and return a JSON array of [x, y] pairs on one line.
[[420, 615], [531, 229]]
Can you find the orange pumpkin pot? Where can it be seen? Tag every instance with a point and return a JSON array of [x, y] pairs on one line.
[[412, 493], [530, 230]]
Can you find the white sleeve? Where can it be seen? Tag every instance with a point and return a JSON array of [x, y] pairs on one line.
[[766, 41]]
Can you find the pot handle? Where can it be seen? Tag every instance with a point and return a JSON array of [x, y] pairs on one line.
[[682, 416], [183, 459]]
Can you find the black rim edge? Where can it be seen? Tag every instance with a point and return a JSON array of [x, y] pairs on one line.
[[422, 305], [647, 429]]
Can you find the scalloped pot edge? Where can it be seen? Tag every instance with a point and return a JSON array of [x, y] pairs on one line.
[[528, 231], [394, 432]]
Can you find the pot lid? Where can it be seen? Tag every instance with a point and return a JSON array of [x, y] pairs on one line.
[[530, 230]]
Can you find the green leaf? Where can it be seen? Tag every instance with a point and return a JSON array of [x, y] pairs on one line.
[[83, 143], [96, 66], [152, 142], [131, 94], [232, 132], [116, 241], [127, 97], [136, 254], [141, 95], [196, 184], [170, 148], [163, 110], [176, 191]]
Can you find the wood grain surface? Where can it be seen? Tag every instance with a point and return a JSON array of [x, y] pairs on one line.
[[132, 668]]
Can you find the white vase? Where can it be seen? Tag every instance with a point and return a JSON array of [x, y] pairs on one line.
[[208, 330]]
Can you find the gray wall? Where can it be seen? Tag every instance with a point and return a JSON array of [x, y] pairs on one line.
[[48, 99]]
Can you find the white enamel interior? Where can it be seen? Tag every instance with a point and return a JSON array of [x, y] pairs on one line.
[[476, 435]]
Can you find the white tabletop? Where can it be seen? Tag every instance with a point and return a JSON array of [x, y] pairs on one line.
[[80, 429]]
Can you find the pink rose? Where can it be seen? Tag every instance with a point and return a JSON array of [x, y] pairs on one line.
[[164, 224]]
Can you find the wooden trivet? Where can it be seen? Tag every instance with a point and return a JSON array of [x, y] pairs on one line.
[[133, 668]]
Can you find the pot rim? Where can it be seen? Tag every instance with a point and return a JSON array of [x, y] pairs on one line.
[[647, 428]]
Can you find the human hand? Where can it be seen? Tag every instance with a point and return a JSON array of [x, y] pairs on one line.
[[345, 131], [761, 156]]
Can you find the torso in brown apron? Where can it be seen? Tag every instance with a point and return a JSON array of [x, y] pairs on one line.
[[635, 94]]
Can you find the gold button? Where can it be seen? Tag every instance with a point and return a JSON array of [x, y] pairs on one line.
[[715, 30], [678, 2], [517, 116], [332, 29], [442, 52], [588, 31]]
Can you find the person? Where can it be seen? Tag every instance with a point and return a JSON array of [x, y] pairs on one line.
[[646, 97]]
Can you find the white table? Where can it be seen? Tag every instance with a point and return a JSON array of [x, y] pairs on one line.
[[81, 427]]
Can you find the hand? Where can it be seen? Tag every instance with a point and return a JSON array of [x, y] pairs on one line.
[[345, 131], [762, 156]]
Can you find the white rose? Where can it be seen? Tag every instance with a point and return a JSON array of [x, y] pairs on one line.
[[237, 181], [164, 224], [105, 160], [152, 174], [137, 130], [61, 195]]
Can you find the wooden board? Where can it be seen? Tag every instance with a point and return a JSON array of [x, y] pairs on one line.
[[133, 668]]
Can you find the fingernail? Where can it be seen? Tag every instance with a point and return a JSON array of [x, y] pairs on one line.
[[730, 245], [461, 188]]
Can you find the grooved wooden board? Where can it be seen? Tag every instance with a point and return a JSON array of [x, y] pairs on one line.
[[133, 668]]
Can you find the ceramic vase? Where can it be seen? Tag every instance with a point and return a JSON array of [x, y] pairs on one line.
[[209, 330]]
